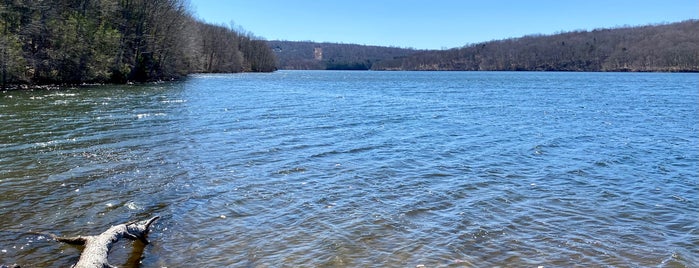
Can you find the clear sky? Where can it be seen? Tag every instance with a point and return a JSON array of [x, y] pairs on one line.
[[433, 24]]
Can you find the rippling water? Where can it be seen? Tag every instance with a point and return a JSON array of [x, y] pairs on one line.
[[360, 169]]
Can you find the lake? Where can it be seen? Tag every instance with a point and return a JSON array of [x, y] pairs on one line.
[[359, 169]]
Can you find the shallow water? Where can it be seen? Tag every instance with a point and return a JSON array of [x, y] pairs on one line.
[[360, 169]]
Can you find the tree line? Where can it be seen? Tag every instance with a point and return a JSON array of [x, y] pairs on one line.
[[118, 41], [306, 55], [652, 48]]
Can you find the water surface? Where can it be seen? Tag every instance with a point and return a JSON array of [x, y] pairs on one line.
[[360, 169]]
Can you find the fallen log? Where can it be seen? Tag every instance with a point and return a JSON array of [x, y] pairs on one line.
[[97, 246]]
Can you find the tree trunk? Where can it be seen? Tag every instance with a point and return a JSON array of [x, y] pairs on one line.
[[97, 246]]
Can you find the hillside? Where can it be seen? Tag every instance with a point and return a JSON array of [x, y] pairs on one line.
[[109, 41], [332, 56], [662, 48]]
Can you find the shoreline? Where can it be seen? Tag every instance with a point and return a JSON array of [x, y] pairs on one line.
[[31, 87]]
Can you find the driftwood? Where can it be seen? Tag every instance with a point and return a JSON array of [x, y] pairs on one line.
[[97, 246]]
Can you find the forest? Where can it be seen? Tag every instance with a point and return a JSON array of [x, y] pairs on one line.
[[118, 41], [652, 48]]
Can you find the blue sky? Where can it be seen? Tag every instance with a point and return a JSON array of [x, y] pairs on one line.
[[433, 24]]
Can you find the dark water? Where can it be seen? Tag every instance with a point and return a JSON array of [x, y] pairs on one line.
[[360, 169]]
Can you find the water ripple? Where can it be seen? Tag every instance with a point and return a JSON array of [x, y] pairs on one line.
[[361, 169]]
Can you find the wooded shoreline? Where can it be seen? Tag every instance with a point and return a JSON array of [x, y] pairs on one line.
[[671, 47], [59, 44], [110, 41]]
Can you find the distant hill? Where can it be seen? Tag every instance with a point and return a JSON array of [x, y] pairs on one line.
[[654, 48], [293, 55]]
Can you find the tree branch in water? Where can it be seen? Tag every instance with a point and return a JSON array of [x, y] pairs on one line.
[[97, 246]]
